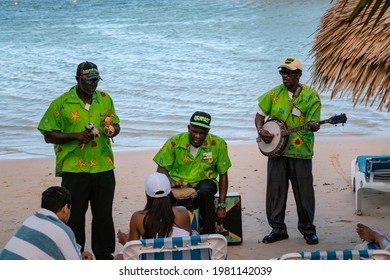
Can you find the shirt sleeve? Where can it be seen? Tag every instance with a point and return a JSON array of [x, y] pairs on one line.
[[264, 103], [224, 162], [314, 112], [165, 156], [51, 119], [112, 114]]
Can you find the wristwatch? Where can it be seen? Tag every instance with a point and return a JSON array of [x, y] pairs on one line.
[[222, 205]]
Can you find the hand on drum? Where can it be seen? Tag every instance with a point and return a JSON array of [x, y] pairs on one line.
[[265, 135], [175, 184], [221, 215]]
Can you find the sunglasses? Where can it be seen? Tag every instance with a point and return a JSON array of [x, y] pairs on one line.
[[288, 72], [90, 81]]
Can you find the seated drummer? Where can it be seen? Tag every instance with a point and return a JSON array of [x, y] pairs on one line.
[[195, 159]]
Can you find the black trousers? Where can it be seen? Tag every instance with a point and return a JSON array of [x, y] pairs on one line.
[[98, 190], [280, 171], [206, 191]]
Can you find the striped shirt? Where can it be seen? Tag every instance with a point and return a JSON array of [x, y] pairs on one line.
[[42, 236]]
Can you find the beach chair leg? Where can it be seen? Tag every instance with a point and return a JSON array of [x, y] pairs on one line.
[[358, 199], [359, 186], [353, 171]]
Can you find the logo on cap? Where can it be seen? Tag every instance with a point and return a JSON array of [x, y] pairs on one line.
[[292, 64], [201, 119]]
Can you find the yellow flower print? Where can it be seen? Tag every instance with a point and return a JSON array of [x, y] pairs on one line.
[[110, 114], [81, 164], [301, 118], [109, 160], [56, 113], [186, 159], [209, 174], [275, 99], [210, 160], [92, 163], [74, 116]]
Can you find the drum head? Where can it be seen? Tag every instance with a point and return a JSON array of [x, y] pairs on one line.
[[181, 193]]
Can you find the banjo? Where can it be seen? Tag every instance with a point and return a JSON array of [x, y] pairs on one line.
[[281, 134]]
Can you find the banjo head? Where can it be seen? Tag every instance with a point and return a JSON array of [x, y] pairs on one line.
[[278, 143]]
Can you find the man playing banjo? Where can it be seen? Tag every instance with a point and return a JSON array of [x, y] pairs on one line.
[[289, 105]]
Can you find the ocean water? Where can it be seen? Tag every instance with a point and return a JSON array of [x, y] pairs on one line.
[[160, 60]]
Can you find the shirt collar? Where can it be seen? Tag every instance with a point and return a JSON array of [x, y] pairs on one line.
[[185, 141]]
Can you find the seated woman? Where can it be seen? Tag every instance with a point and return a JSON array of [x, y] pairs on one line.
[[159, 218]]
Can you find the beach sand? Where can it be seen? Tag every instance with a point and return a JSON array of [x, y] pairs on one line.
[[22, 182]]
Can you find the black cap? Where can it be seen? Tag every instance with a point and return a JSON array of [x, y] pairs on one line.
[[202, 119], [88, 71]]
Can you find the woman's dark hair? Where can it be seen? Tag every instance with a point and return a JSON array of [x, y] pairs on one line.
[[159, 218], [55, 198]]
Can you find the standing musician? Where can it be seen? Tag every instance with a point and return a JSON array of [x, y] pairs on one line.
[[84, 156], [295, 105]]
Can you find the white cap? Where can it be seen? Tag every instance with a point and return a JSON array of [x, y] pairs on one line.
[[292, 64], [157, 185]]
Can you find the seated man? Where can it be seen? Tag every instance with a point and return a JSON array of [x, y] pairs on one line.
[[45, 235], [195, 159]]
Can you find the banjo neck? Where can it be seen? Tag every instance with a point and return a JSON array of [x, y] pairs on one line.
[[299, 128]]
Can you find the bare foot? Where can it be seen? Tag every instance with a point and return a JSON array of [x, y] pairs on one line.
[[372, 236], [366, 233]]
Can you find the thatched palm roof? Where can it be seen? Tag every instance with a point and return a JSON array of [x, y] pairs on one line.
[[353, 58]]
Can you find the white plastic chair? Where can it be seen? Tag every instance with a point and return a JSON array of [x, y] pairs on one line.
[[369, 172], [377, 254], [196, 247]]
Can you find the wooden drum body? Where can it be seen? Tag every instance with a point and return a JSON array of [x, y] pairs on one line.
[[187, 197]]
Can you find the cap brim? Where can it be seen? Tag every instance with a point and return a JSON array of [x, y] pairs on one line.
[[90, 78], [200, 124], [288, 67]]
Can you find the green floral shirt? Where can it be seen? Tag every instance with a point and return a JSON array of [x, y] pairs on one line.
[[68, 113], [211, 160], [276, 102]]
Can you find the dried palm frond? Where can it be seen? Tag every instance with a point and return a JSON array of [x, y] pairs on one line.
[[365, 5], [352, 58]]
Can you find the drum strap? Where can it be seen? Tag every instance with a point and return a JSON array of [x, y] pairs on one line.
[[295, 95]]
